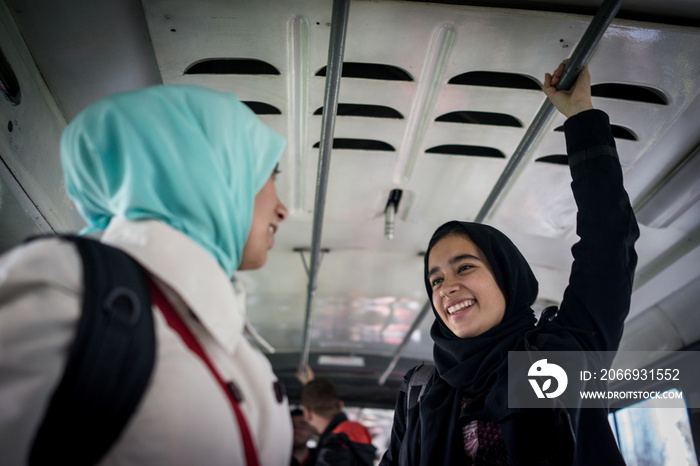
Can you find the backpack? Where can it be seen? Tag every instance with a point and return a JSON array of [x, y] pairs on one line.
[[339, 450], [419, 381], [109, 364]]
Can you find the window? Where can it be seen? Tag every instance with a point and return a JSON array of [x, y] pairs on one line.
[[649, 434]]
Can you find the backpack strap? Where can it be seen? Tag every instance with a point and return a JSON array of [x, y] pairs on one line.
[[419, 382], [229, 388], [359, 458], [109, 364]]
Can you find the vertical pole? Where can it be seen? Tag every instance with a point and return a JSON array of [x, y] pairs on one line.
[[336, 50]]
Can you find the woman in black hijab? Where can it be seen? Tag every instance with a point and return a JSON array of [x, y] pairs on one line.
[[481, 288]]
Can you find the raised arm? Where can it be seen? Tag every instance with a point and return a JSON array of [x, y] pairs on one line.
[[597, 299]]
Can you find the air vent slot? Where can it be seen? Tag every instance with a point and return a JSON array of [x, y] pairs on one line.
[[360, 144], [481, 118], [261, 108], [618, 132], [371, 71], [629, 92], [557, 159], [9, 86], [496, 79], [468, 151], [362, 110], [249, 66]]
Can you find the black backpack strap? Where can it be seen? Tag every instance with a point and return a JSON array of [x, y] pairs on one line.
[[418, 384], [109, 364], [361, 458]]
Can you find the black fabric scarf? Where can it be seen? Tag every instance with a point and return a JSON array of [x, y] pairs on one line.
[[473, 367]]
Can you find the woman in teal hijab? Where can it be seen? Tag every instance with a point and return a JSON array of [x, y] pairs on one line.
[[188, 156], [180, 178]]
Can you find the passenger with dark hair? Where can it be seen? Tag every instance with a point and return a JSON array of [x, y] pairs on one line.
[[302, 455], [482, 289], [342, 442]]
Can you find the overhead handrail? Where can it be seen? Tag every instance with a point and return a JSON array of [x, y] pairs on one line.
[[580, 57], [336, 50], [604, 16], [397, 353]]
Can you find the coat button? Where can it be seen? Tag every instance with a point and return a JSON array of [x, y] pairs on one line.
[[280, 391]]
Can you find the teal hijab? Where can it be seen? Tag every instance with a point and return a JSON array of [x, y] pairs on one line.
[[191, 157]]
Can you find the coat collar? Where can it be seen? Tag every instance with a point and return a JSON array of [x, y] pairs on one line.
[[187, 268]]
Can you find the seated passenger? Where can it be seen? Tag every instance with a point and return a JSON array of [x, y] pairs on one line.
[[342, 442], [302, 455]]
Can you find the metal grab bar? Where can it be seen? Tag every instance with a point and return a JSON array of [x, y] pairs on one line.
[[336, 50], [427, 307], [579, 57]]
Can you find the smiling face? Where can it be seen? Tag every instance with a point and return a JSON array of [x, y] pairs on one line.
[[268, 212], [465, 293]]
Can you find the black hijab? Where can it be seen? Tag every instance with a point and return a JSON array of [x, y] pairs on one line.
[[473, 367]]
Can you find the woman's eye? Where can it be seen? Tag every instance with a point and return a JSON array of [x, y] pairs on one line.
[[436, 282], [463, 268]]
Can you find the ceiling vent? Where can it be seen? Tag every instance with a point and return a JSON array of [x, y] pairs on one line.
[[360, 144], [9, 86], [363, 110], [496, 79], [261, 108], [557, 159], [481, 118], [371, 71], [249, 66], [629, 92], [468, 151]]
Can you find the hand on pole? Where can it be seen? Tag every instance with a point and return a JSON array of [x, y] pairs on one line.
[[572, 101]]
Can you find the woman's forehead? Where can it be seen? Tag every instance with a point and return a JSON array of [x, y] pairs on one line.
[[453, 245]]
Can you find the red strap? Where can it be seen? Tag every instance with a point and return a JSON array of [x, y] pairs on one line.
[[176, 323]]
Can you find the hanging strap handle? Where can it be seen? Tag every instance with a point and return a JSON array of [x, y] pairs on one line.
[[177, 324]]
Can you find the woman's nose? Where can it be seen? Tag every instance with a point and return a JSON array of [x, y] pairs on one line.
[[448, 288], [281, 211]]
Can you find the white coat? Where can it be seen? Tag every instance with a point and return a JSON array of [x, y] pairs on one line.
[[184, 417]]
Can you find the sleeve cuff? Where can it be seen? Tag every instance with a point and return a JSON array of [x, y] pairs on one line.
[[587, 129]]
